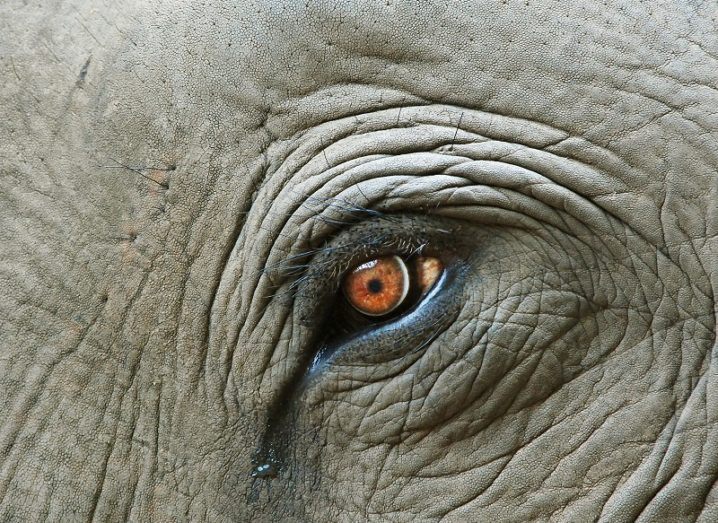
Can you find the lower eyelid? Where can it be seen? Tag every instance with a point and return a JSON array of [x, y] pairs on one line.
[[405, 333]]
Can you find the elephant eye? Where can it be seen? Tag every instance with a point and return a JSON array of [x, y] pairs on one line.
[[382, 287], [378, 287]]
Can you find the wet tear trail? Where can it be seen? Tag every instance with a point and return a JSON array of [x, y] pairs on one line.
[[276, 465]]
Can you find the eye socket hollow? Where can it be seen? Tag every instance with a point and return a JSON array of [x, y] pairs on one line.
[[377, 287], [380, 286]]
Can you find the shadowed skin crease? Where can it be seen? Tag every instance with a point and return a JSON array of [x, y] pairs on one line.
[[442, 302], [186, 186]]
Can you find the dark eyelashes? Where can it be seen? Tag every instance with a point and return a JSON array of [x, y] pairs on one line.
[[349, 214], [330, 269], [300, 266]]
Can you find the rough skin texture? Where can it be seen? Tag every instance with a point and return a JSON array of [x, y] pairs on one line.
[[162, 166]]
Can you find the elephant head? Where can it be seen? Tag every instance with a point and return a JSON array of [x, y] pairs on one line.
[[340, 261]]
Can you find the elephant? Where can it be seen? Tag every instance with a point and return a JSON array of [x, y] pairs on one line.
[[355, 260]]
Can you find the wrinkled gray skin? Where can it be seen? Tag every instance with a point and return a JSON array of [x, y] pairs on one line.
[[171, 179]]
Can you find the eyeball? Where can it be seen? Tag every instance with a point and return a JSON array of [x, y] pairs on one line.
[[377, 287], [427, 269]]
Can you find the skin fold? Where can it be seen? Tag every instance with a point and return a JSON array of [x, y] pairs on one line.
[[184, 184]]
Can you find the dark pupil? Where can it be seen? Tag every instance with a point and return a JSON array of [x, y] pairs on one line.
[[374, 286]]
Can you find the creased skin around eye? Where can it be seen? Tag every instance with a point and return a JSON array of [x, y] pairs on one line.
[[402, 335], [437, 254]]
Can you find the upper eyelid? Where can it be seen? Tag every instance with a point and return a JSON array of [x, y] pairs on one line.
[[352, 254]]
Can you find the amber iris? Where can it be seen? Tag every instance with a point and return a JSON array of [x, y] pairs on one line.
[[379, 286]]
